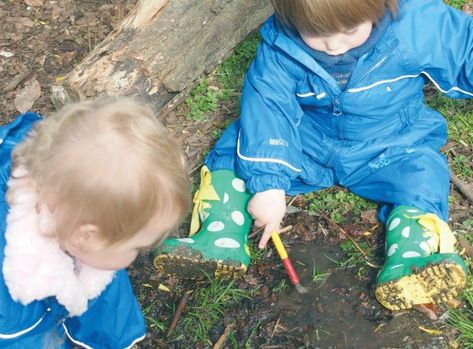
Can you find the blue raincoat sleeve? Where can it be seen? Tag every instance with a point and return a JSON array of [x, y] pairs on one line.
[[113, 320], [441, 45], [269, 147]]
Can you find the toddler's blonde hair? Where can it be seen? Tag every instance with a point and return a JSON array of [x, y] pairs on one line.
[[107, 162], [325, 17]]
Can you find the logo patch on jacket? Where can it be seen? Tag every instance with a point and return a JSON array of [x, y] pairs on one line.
[[278, 141]]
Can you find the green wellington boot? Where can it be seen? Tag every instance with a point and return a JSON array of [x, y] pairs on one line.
[[421, 264], [220, 246]]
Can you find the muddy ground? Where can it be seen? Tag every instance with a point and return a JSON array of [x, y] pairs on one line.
[[43, 41]]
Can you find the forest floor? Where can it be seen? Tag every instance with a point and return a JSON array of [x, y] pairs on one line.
[[333, 237]]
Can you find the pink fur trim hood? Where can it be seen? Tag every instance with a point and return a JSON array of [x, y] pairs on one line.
[[35, 267]]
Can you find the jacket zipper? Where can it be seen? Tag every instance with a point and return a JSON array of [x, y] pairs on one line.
[[370, 71], [337, 101]]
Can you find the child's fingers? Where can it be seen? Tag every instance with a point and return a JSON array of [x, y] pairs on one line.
[[259, 223], [268, 230]]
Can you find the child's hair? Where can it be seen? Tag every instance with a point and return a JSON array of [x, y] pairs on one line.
[[325, 17], [107, 162]]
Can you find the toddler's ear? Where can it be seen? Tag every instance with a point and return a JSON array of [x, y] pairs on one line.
[[87, 238]]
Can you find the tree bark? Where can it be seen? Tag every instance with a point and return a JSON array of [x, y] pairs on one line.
[[161, 48]]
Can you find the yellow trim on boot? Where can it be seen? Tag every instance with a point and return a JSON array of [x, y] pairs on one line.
[[206, 192], [437, 228]]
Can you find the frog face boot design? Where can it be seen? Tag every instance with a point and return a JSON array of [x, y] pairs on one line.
[[421, 265], [220, 246]]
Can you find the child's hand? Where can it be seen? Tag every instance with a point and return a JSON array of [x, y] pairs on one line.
[[268, 209]]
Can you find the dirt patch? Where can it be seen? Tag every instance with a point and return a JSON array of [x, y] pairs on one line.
[[40, 44], [339, 310]]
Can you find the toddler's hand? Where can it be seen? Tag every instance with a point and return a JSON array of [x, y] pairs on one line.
[[268, 209]]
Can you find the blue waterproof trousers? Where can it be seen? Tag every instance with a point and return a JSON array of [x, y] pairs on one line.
[[405, 168]]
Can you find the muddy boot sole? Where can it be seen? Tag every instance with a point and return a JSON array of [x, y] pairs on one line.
[[436, 284], [197, 268]]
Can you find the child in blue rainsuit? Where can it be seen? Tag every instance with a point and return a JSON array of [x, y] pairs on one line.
[[83, 191], [335, 96]]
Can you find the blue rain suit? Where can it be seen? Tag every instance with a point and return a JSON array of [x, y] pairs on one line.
[[298, 131], [113, 320]]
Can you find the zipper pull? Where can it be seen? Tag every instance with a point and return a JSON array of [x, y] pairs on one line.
[[337, 107]]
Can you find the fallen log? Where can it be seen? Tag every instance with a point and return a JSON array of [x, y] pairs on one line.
[[161, 48]]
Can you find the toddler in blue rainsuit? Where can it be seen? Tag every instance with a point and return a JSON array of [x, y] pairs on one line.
[[335, 96], [83, 191]]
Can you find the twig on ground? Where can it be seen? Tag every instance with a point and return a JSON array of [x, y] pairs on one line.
[[17, 80], [191, 172], [276, 325], [223, 338], [357, 246], [461, 187], [178, 312], [283, 230], [292, 200]]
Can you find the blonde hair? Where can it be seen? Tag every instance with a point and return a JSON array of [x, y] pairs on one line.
[[324, 17], [107, 162]]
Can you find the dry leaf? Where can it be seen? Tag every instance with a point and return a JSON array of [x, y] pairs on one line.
[[6, 54], [465, 244], [431, 331], [454, 303], [34, 3], [25, 99], [163, 288], [428, 309], [27, 22], [369, 216]]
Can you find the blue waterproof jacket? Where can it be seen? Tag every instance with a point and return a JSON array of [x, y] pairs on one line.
[[300, 132], [113, 320]]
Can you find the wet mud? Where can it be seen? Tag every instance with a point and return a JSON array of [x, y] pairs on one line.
[[340, 311]]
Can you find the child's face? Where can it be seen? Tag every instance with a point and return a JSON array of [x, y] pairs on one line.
[[91, 250], [339, 43]]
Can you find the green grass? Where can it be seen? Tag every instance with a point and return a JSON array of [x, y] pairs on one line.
[[354, 257], [256, 254], [249, 342], [456, 3], [462, 167], [320, 333], [281, 286], [459, 116], [462, 320], [207, 307], [468, 226], [223, 85], [318, 276], [337, 203]]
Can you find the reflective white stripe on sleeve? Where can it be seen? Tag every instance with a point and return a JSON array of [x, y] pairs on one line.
[[455, 88], [310, 94], [381, 82], [26, 330], [75, 341], [277, 161]]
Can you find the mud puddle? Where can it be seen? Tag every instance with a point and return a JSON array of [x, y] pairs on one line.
[[340, 310]]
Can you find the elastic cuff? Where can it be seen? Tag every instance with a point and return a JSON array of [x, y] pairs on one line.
[[256, 184], [220, 162]]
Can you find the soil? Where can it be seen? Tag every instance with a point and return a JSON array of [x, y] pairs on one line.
[[43, 40]]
